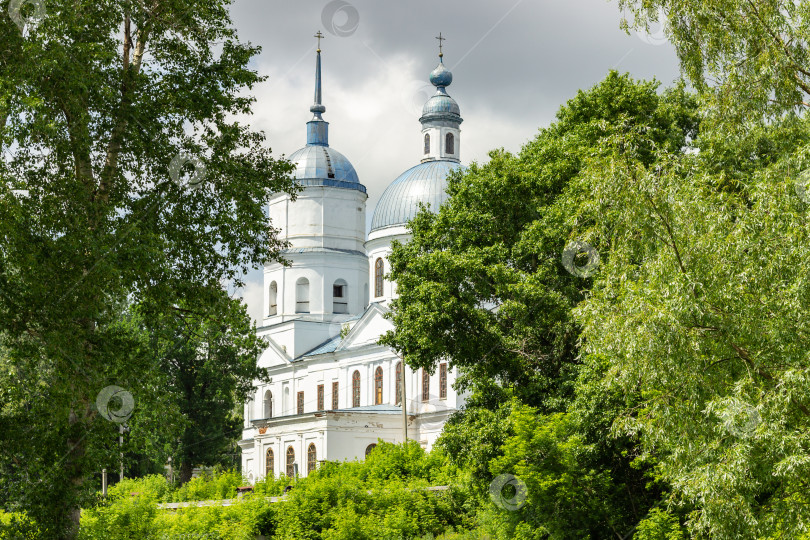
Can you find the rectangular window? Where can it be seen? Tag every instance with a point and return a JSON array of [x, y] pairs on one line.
[[334, 396], [425, 385], [337, 291], [443, 381], [320, 397], [300, 403]]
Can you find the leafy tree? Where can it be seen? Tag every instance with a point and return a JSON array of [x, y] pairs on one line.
[[208, 358], [749, 58], [701, 310], [96, 104], [481, 283]]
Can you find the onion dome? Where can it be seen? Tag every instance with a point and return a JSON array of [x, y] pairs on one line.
[[441, 107]]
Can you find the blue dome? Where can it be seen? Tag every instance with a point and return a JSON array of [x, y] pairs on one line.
[[441, 76], [322, 165], [426, 183], [440, 103]]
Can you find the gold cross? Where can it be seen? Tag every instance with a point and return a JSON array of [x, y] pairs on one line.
[[440, 38], [319, 36]]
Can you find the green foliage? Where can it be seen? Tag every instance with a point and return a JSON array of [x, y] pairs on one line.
[[659, 525], [498, 242], [382, 497], [481, 285], [749, 59], [700, 308], [207, 487], [95, 104]]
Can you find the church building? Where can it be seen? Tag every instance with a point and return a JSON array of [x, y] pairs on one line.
[[334, 390]]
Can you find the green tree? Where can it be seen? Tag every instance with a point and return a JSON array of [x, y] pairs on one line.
[[96, 104], [748, 58], [481, 284], [207, 355], [701, 309]]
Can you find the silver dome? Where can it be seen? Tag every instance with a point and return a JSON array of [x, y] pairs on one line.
[[425, 183], [322, 165]]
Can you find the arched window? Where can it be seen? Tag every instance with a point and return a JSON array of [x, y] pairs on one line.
[[379, 270], [378, 387], [311, 458], [269, 464], [356, 389], [443, 380], [370, 447], [290, 462], [427, 143], [449, 144], [399, 383], [273, 300], [268, 404], [302, 296], [340, 297]]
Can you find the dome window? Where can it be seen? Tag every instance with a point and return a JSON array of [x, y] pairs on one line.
[[340, 300], [427, 143], [450, 144], [378, 277], [302, 296]]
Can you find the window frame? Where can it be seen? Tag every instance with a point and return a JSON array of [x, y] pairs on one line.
[[273, 299], [312, 458], [300, 403], [443, 380], [302, 305], [449, 144], [379, 278], [290, 462], [378, 386], [320, 397], [356, 388], [335, 395], [269, 463], [425, 385]]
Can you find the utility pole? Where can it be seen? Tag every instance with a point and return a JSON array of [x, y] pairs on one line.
[[404, 404], [104, 482]]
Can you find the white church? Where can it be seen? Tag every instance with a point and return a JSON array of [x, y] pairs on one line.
[[335, 391]]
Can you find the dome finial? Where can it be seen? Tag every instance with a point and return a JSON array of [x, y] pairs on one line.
[[318, 107], [318, 128], [441, 53]]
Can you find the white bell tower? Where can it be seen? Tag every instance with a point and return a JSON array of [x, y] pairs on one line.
[[326, 281]]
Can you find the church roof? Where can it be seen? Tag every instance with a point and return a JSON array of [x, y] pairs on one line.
[[425, 183]]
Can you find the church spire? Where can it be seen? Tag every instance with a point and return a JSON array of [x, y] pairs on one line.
[[317, 128]]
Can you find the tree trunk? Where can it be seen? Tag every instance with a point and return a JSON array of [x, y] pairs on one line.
[[74, 473], [185, 472]]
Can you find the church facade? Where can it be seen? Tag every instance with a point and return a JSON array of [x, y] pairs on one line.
[[334, 390]]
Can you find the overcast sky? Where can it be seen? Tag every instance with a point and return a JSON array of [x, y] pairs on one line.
[[514, 62]]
